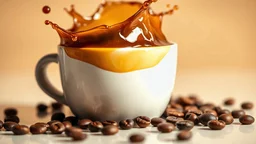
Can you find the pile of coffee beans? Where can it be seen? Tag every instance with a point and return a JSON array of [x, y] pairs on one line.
[[182, 113]]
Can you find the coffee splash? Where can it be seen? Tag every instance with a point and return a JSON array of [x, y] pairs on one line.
[[115, 24]]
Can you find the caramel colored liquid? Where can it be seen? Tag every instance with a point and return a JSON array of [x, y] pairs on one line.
[[114, 25]]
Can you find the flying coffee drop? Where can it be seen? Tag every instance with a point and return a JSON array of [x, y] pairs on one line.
[[46, 9]]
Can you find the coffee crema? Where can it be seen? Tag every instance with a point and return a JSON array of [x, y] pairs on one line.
[[97, 39]]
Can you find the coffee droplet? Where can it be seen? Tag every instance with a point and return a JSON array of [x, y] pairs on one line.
[[47, 22], [46, 9], [74, 37]]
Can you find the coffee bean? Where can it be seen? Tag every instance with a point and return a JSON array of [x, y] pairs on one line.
[[84, 123], [72, 119], [205, 118], [192, 117], [227, 118], [185, 125], [9, 125], [59, 116], [210, 111], [70, 131], [20, 129], [229, 102], [224, 111], [67, 124], [216, 124], [12, 118], [165, 127], [192, 108], [110, 130], [186, 101], [78, 136], [247, 105], [184, 135], [218, 109], [57, 106], [126, 124], [176, 114], [10, 111], [136, 138], [1, 124], [42, 124], [51, 122], [38, 129], [109, 122], [173, 119], [57, 128], [142, 121], [176, 106], [42, 107], [238, 113], [95, 126], [208, 106], [246, 119], [156, 121], [197, 112]]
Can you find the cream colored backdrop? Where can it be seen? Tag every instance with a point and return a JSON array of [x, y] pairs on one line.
[[213, 36]]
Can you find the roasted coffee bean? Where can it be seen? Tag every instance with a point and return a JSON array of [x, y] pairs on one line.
[[20, 129], [185, 125], [126, 124], [192, 117], [247, 105], [209, 105], [227, 118], [218, 109], [197, 112], [1, 124], [205, 118], [9, 125], [38, 129], [95, 126], [109, 122], [53, 121], [156, 121], [70, 131], [184, 135], [165, 127], [229, 102], [238, 113], [78, 136], [59, 116], [210, 111], [42, 107], [142, 121], [186, 101], [57, 106], [176, 114], [176, 106], [173, 119], [67, 124], [224, 111], [110, 130], [72, 119], [136, 138], [57, 128], [216, 124], [42, 124], [84, 123], [192, 108], [12, 118], [10, 111], [246, 119]]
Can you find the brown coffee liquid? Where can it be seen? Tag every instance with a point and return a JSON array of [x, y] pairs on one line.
[[46, 9]]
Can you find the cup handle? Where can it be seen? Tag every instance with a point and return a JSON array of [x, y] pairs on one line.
[[43, 81]]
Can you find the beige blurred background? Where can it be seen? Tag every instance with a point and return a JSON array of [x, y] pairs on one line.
[[216, 38]]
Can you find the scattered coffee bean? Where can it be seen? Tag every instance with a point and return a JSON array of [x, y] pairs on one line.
[[156, 121], [12, 118], [109, 122], [42, 124], [95, 126], [136, 138], [9, 125], [59, 116], [216, 124], [10, 111], [72, 130], [72, 119], [227, 118], [57, 106], [165, 127], [176, 114], [57, 128], [142, 121], [78, 136], [42, 107], [184, 135], [224, 111], [205, 118], [208, 105], [67, 124], [186, 101], [246, 119], [238, 113], [126, 124], [247, 105], [20, 129], [218, 109], [110, 130], [192, 117], [197, 112], [173, 119], [51, 122], [1, 124], [38, 129], [84, 123], [185, 125], [229, 102], [210, 111]]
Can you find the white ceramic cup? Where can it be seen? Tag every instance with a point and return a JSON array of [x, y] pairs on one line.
[[98, 94]]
